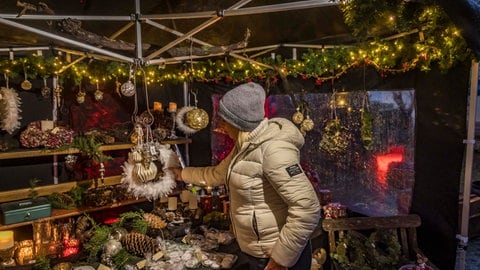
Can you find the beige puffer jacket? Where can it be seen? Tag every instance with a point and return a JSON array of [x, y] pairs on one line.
[[274, 208]]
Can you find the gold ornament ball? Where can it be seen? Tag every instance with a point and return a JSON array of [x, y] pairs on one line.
[[297, 117], [196, 118], [307, 124]]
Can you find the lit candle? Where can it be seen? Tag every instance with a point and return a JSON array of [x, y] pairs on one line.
[[192, 201], [172, 107], [6, 240], [157, 106], [185, 196], [172, 203]]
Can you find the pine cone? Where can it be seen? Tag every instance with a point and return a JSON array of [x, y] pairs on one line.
[[154, 221], [139, 244]]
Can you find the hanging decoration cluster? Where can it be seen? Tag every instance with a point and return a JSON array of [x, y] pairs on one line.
[[146, 171]]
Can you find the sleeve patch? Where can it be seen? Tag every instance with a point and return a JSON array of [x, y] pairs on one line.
[[294, 170]]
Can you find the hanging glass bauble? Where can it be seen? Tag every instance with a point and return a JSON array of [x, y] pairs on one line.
[[297, 117], [196, 118], [307, 124], [98, 95], [128, 88], [112, 247]]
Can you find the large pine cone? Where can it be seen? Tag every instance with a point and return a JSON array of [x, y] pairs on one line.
[[139, 244], [154, 221]]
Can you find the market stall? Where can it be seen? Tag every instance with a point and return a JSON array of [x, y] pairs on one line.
[[119, 93]]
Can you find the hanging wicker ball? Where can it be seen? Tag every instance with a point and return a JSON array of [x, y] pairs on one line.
[[197, 118], [297, 117], [26, 85], [307, 124]]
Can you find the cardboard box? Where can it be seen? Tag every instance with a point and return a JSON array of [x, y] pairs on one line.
[[25, 210]]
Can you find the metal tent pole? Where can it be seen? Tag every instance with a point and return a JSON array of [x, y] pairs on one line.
[[66, 40]]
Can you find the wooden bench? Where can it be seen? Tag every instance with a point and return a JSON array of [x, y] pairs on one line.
[[402, 228]]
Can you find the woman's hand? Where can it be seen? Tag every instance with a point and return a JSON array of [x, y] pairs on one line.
[[272, 265], [178, 173]]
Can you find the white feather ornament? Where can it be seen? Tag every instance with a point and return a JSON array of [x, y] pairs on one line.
[[9, 110], [162, 184]]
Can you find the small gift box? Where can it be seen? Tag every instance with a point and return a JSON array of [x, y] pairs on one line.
[[334, 210]]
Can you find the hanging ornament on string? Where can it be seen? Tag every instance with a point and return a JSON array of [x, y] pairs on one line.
[[146, 171], [80, 95], [98, 95], [366, 130], [191, 119], [9, 108], [128, 88], [335, 137], [26, 84], [58, 95], [297, 117], [45, 91]]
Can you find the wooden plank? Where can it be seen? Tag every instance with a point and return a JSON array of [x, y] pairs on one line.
[[365, 223], [21, 194], [13, 154], [65, 213]]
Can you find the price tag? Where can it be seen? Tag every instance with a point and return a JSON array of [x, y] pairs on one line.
[[153, 150]]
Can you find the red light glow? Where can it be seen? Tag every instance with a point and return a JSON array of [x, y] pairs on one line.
[[394, 154]]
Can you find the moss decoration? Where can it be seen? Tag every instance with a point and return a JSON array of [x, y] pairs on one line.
[[367, 129], [380, 250], [61, 201]]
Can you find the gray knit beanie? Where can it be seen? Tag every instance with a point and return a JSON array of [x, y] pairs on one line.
[[243, 106]]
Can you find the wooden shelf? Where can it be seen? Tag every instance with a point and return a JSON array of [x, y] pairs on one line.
[[52, 152], [65, 213]]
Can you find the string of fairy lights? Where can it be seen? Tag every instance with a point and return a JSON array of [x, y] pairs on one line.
[[435, 40]]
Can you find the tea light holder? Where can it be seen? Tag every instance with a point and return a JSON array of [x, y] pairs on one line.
[[7, 248], [24, 254], [172, 203], [192, 202]]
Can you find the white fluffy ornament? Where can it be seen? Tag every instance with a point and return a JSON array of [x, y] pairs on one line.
[[164, 181], [9, 110]]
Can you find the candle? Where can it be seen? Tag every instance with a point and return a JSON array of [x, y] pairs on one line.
[[163, 199], [172, 107], [157, 106], [185, 196], [6, 240], [172, 203], [192, 201]]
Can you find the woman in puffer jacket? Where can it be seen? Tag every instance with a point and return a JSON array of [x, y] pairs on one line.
[[273, 206]]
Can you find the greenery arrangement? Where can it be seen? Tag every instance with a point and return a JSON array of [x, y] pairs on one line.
[[380, 250], [392, 36]]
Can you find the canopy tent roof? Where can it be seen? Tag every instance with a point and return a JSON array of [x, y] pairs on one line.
[[171, 30], [163, 32]]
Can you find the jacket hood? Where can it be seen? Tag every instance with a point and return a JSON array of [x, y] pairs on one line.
[[280, 129]]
